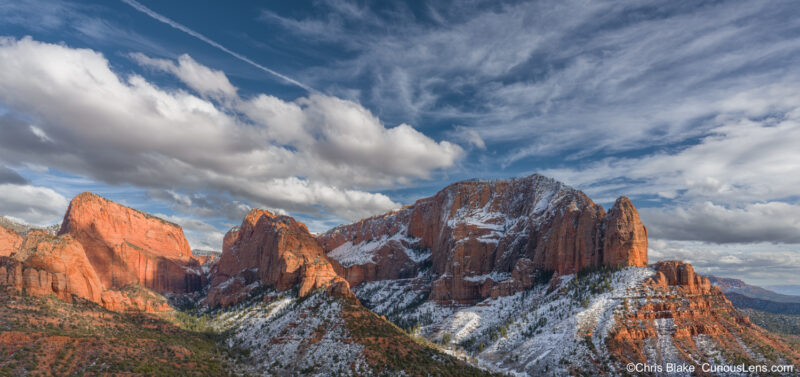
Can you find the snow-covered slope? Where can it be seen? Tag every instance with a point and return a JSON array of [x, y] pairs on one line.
[[278, 334], [548, 328], [586, 324]]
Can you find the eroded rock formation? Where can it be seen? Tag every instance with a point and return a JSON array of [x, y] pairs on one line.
[[104, 252], [489, 238], [275, 251], [127, 246], [678, 313]]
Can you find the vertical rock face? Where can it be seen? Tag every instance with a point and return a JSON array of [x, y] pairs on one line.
[[489, 238], [625, 241], [126, 246], [104, 252], [274, 251]]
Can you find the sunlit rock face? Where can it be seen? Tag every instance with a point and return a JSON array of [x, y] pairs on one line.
[[128, 246], [274, 251], [104, 252], [489, 238]]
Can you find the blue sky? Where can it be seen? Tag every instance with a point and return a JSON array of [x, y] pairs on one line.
[[333, 110]]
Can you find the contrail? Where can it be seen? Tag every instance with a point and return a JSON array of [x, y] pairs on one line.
[[141, 8]]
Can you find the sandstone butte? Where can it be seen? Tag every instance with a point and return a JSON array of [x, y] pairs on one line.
[[104, 252], [273, 251], [682, 307], [489, 238]]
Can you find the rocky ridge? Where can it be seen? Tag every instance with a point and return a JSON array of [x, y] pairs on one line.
[[678, 317], [104, 252], [274, 251], [489, 238]]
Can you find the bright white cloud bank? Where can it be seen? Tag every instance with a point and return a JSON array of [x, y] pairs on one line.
[[31, 204], [74, 113]]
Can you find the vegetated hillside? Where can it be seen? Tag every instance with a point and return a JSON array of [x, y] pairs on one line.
[[742, 301], [278, 333], [739, 287], [777, 323], [47, 336]]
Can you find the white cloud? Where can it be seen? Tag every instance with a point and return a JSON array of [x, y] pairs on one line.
[[204, 80], [739, 184], [32, 204], [562, 78], [200, 234], [316, 153], [161, 18]]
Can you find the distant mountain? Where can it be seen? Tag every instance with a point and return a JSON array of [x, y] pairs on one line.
[[205, 253], [740, 287], [777, 323], [786, 289], [742, 301]]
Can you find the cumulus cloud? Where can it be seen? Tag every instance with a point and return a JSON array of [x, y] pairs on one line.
[[202, 79], [200, 234], [32, 204], [202, 204], [317, 153]]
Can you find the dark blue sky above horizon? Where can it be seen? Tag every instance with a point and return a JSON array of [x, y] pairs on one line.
[[692, 109]]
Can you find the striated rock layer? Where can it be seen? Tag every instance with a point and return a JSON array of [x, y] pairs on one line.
[[104, 252], [679, 317], [489, 238], [274, 251]]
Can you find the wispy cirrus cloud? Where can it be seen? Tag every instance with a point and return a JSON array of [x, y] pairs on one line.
[[553, 78], [174, 24]]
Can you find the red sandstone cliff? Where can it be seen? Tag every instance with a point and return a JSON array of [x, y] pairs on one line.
[[274, 251], [106, 253], [489, 238], [128, 246]]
